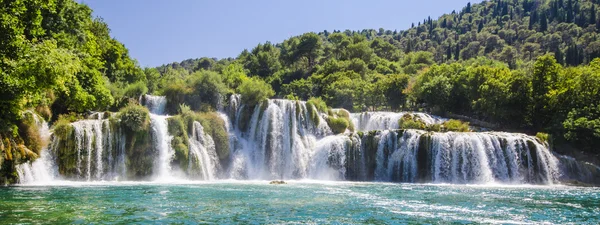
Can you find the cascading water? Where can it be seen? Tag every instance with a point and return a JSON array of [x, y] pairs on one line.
[[283, 139], [42, 169], [160, 135], [203, 154], [417, 156], [279, 142], [368, 121]]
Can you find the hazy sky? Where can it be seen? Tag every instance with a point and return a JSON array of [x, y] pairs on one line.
[[157, 32]]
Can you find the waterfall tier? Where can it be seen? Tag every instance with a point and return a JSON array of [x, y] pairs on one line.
[[284, 139]]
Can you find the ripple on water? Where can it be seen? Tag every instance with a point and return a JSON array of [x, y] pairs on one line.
[[296, 202]]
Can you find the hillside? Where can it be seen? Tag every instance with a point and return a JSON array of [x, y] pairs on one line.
[[525, 65]]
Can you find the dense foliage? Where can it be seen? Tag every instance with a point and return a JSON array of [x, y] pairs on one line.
[[524, 65]]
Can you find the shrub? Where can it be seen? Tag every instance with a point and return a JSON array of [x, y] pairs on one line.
[[337, 125], [318, 103], [410, 122], [254, 90], [207, 88], [456, 125], [176, 95], [136, 90], [543, 136], [134, 117], [434, 127], [62, 128]]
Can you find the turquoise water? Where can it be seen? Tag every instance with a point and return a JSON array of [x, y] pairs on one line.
[[257, 202]]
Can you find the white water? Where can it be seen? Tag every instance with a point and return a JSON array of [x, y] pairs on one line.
[[160, 136], [280, 141], [43, 168], [460, 158], [368, 121], [203, 155]]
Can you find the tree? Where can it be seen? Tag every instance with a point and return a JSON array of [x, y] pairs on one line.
[[393, 89], [545, 75], [254, 90]]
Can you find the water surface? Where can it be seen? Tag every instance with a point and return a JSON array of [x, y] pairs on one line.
[[257, 202]]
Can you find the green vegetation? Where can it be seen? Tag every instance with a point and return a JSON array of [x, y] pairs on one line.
[[62, 128], [409, 121], [254, 90], [456, 125], [339, 121], [527, 65], [337, 125], [183, 125], [134, 117]]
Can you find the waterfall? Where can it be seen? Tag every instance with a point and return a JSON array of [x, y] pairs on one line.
[[368, 121], [285, 139], [279, 141], [42, 169], [156, 104], [417, 156], [160, 135], [93, 141], [203, 155], [329, 158]]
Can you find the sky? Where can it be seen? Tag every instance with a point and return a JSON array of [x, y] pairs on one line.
[[158, 32]]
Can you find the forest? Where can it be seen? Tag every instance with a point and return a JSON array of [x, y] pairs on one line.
[[524, 65]]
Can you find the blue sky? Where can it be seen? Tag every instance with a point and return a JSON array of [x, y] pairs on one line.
[[157, 32]]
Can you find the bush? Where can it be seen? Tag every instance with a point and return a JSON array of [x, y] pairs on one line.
[[434, 127], [542, 136], [318, 103], [136, 90], [207, 88], [337, 125], [254, 90], [176, 95], [134, 117], [411, 122], [62, 128], [456, 125]]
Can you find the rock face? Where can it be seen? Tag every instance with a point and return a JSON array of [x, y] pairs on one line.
[[277, 182]]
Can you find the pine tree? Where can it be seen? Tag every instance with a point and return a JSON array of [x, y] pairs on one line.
[[457, 52], [569, 11], [480, 27], [543, 23], [468, 9], [593, 15], [532, 19]]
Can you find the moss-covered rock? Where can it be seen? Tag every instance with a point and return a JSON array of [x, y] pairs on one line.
[[29, 136], [62, 128], [214, 126], [337, 125], [179, 143], [339, 121]]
